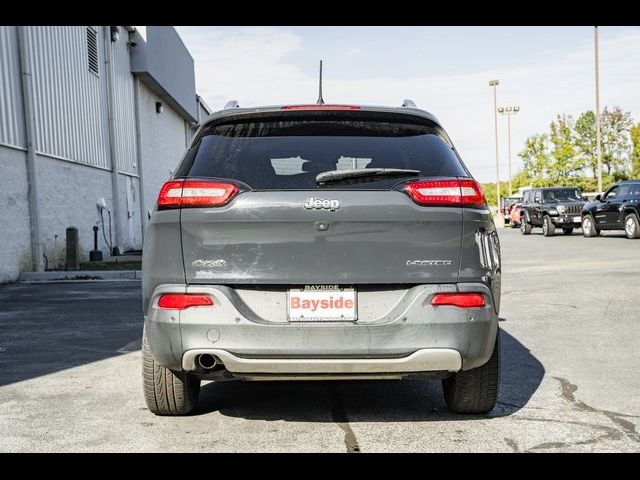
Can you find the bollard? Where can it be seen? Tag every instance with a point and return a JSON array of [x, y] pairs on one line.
[[73, 249], [95, 255]]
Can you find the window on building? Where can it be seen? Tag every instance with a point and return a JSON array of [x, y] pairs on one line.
[[92, 50]]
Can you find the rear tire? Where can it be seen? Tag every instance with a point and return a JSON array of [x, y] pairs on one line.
[[167, 392], [475, 390], [567, 231], [548, 227], [589, 227], [631, 226], [525, 227], [515, 224]]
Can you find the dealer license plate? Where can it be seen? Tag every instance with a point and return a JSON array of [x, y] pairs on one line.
[[322, 303]]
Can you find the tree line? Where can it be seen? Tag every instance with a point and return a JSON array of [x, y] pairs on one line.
[[566, 153]]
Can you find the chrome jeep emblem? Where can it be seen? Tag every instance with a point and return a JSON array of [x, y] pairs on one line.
[[321, 204]]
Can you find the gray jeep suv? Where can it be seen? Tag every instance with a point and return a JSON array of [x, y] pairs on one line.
[[314, 242]]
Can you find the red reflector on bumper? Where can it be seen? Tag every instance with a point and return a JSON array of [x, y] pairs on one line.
[[180, 301], [462, 300]]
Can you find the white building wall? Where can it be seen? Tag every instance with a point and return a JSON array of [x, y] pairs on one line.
[[69, 100], [15, 232], [163, 140], [124, 111], [129, 191], [68, 198], [11, 111]]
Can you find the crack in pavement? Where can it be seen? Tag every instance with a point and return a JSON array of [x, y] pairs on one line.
[[628, 428], [339, 416], [512, 444], [609, 433], [563, 305], [622, 427], [606, 310]]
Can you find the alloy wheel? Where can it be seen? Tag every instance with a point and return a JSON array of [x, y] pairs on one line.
[[630, 226]]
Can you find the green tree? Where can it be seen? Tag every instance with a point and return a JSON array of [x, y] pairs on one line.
[[565, 162], [616, 142], [585, 141], [536, 160], [489, 190], [567, 154], [635, 152]]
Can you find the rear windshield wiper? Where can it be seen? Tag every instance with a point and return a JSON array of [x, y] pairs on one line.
[[337, 175]]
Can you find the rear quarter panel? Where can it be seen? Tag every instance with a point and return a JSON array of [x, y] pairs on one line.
[[162, 254]]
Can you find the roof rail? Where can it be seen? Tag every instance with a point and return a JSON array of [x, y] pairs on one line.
[[232, 104], [409, 103]]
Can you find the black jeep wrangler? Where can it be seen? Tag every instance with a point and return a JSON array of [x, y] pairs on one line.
[[550, 208]]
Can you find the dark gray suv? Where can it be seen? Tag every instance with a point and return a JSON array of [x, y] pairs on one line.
[[314, 242]]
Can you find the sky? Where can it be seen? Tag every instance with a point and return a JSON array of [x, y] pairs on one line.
[[545, 71]]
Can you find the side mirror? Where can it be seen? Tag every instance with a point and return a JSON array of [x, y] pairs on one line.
[[598, 198]]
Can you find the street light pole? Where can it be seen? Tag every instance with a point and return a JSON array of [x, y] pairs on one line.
[[509, 143], [508, 111], [494, 84], [598, 149]]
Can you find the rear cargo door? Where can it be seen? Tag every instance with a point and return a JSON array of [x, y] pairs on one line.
[[372, 237]]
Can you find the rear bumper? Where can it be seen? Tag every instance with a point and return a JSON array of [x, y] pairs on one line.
[[425, 360], [410, 335]]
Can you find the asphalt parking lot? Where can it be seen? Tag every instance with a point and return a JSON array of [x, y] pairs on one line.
[[70, 375]]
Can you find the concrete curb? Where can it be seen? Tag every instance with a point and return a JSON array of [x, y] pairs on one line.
[[83, 275]]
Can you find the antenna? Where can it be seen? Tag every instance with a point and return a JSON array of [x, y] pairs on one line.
[[320, 99]]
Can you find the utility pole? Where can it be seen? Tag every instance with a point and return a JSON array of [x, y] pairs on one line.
[[494, 84], [598, 148], [508, 111]]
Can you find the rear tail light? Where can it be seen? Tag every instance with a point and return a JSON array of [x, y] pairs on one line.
[[180, 301], [461, 300], [453, 192], [195, 193]]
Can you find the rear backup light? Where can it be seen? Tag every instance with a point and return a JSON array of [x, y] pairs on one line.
[[452, 192], [195, 193], [180, 301], [321, 107], [462, 300]]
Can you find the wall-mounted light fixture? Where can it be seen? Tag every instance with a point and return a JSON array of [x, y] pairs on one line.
[[115, 33], [159, 108]]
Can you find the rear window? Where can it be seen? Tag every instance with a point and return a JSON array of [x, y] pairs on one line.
[[289, 154]]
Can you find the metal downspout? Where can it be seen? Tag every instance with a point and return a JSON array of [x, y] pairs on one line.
[[37, 248], [136, 99], [112, 142]]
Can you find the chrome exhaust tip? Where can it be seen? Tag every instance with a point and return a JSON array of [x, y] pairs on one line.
[[207, 361]]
